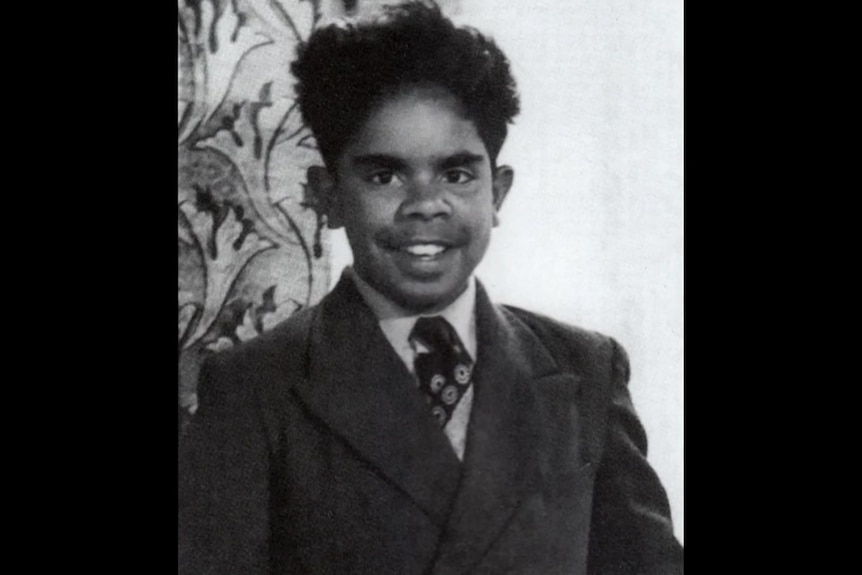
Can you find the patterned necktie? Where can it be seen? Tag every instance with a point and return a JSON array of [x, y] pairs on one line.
[[444, 372]]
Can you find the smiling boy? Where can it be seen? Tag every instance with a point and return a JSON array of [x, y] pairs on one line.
[[406, 424], [417, 195]]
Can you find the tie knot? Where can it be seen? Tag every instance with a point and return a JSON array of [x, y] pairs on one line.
[[436, 334]]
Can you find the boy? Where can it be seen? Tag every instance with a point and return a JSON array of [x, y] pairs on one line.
[[406, 424]]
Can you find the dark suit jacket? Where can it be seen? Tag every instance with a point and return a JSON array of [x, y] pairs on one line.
[[312, 452]]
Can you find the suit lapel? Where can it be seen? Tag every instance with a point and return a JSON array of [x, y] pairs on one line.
[[504, 438], [361, 389]]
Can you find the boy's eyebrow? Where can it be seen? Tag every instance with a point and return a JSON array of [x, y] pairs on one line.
[[394, 163], [378, 161], [461, 159]]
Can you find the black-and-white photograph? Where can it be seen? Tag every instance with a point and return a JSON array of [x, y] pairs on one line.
[[430, 287]]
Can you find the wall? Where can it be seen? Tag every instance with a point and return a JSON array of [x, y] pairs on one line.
[[249, 249]]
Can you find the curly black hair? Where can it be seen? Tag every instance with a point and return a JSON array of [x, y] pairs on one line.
[[345, 69]]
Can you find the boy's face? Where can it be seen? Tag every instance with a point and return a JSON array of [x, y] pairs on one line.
[[415, 192]]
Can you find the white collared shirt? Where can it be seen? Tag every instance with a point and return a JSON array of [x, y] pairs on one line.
[[397, 324]]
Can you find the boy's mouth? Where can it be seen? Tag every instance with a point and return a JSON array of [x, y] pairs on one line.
[[421, 247], [425, 251]]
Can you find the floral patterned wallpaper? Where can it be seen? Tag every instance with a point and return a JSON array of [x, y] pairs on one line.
[[250, 244]]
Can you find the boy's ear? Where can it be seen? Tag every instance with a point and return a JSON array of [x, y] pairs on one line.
[[503, 177], [323, 194]]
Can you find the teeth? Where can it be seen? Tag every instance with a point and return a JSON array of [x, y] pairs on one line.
[[427, 250]]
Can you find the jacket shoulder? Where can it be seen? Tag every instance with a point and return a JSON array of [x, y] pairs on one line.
[[595, 358], [564, 339], [283, 345]]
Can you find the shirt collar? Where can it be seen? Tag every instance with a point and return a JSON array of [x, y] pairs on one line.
[[397, 323]]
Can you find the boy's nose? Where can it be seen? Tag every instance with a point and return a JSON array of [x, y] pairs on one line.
[[425, 201]]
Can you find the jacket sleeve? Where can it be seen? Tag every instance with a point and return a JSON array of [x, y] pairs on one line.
[[631, 527], [224, 479]]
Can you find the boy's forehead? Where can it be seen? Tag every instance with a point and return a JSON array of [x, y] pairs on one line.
[[415, 116]]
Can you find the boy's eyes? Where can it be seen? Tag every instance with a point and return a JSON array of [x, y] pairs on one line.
[[387, 177], [458, 177], [382, 178]]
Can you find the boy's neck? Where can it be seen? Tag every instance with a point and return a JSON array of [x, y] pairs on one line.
[[384, 308]]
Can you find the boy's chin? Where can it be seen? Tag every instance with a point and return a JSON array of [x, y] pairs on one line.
[[426, 299]]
